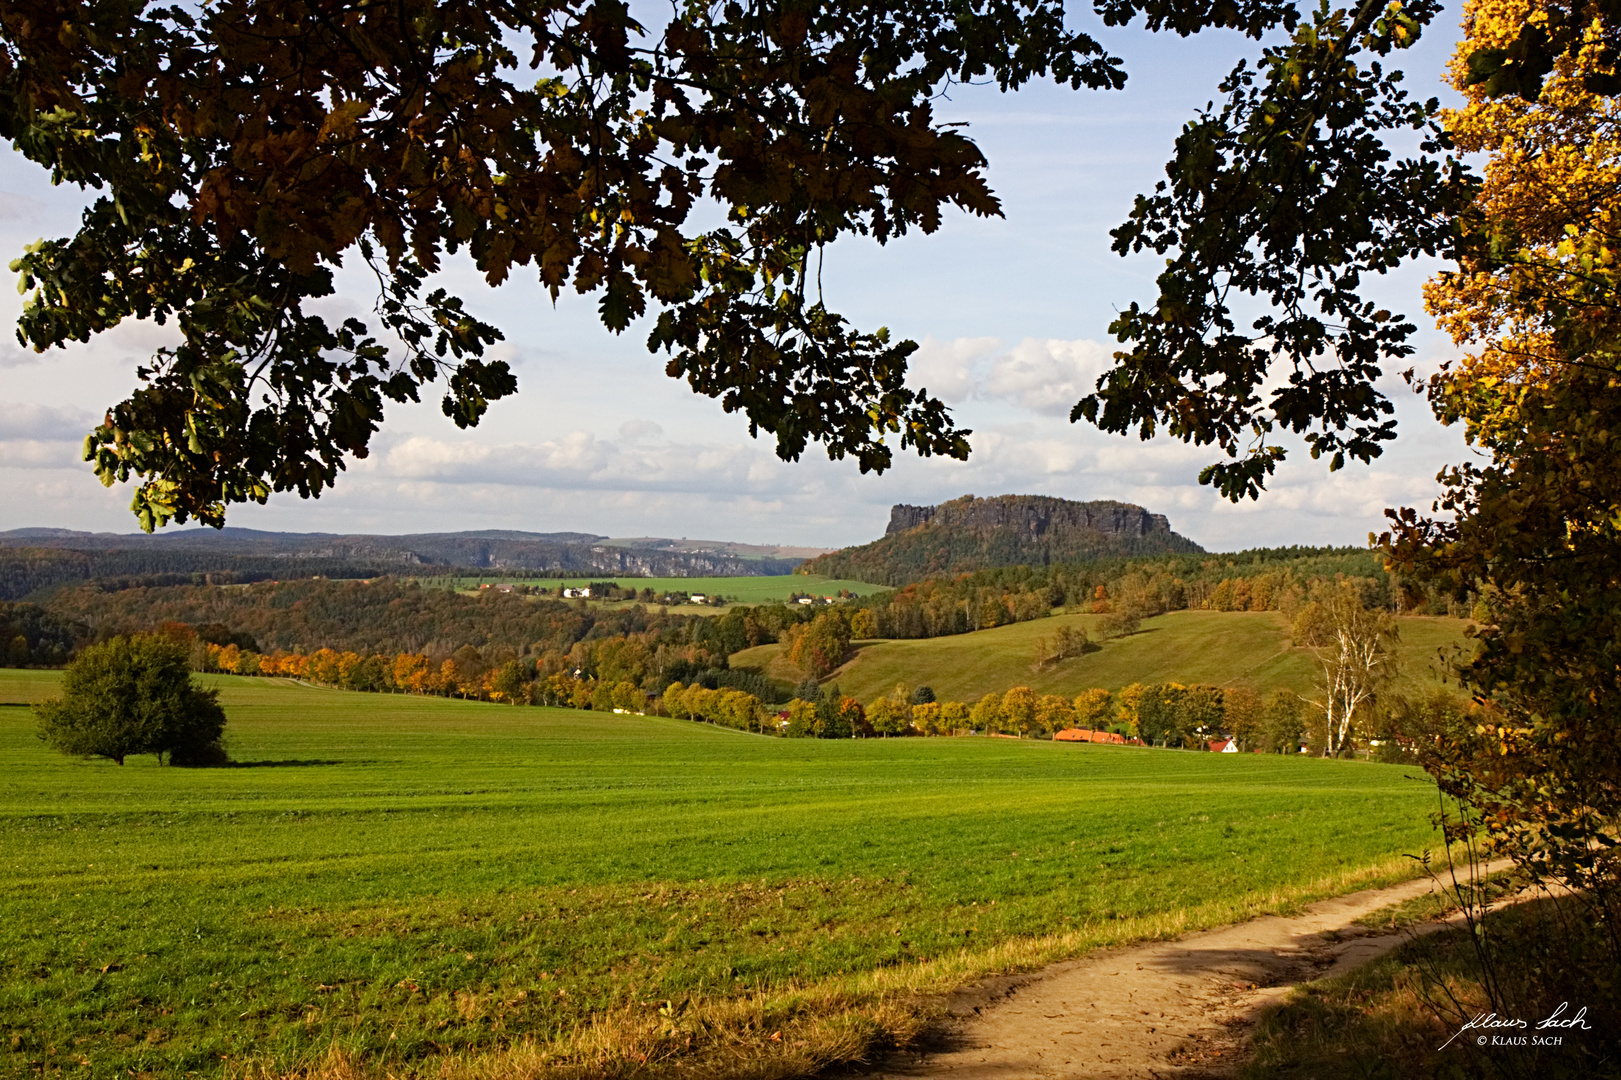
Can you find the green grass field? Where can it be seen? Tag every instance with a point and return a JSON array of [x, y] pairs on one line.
[[1221, 648], [389, 884], [744, 590]]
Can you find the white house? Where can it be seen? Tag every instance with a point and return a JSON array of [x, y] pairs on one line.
[[572, 593]]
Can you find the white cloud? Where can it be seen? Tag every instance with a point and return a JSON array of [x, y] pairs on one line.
[[1047, 376], [947, 368], [631, 430], [576, 461], [38, 454], [25, 420], [1044, 375]]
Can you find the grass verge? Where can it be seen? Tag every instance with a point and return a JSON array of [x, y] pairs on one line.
[[1409, 1013]]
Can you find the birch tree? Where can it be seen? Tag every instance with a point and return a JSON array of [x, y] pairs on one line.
[[1355, 651]]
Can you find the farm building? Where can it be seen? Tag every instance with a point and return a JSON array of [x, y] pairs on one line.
[[1088, 735]]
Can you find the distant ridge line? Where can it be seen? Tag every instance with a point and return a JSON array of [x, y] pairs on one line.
[[36, 558]]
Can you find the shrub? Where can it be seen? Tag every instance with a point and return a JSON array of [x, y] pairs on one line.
[[134, 695]]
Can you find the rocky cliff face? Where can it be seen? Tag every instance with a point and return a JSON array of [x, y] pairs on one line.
[[1029, 515], [969, 534]]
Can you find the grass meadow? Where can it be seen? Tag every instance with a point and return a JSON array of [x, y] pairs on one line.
[[1217, 647], [420, 886]]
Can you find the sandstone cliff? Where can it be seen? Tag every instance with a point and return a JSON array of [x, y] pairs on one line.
[[970, 534]]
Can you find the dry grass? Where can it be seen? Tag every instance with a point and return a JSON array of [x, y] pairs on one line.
[[796, 1031], [1404, 1015]]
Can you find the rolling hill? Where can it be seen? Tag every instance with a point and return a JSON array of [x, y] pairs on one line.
[[1221, 648]]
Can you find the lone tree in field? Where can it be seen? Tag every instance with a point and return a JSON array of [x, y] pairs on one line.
[[1355, 650], [134, 695]]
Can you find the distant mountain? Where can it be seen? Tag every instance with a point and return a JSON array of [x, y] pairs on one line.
[[969, 534], [31, 559]]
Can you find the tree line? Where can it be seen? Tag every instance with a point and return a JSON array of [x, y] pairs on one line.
[[1159, 714], [31, 636], [393, 615], [389, 615], [1261, 580]]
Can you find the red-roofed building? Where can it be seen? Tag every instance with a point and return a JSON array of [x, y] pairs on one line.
[[1088, 735]]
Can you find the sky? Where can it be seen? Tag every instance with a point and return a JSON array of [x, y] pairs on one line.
[[1011, 315]]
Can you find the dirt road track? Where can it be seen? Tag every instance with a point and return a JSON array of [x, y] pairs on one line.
[[1163, 1009]]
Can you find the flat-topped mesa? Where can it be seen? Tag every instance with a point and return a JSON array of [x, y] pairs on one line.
[[1034, 515], [969, 534]]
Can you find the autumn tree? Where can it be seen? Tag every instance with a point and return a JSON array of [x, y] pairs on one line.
[[1160, 720], [1054, 712], [1128, 703], [1282, 723], [853, 717], [1355, 651], [1019, 711], [926, 717], [821, 645], [1122, 619], [1094, 708], [954, 717], [802, 722], [892, 713], [1064, 643], [986, 715], [1242, 714], [1532, 526], [1203, 713]]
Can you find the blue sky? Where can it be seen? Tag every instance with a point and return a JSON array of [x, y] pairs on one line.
[[1012, 315]]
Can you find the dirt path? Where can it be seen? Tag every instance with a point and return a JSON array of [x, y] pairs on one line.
[[1162, 1009]]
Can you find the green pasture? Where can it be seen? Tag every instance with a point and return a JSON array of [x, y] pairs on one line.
[[407, 878], [744, 590], [1216, 647]]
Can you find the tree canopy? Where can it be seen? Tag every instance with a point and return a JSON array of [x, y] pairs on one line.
[[133, 695], [1533, 526], [245, 150]]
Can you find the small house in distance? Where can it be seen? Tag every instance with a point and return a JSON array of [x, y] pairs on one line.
[[570, 594], [1088, 735], [697, 598]]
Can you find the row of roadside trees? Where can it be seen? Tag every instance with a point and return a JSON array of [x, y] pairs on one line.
[[1165, 714]]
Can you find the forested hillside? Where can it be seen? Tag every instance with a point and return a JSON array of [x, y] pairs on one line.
[[1265, 579], [36, 559], [28, 570], [383, 615], [393, 615], [971, 534]]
